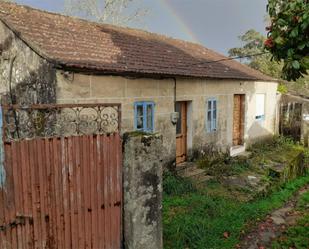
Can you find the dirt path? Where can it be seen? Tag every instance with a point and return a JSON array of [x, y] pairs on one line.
[[274, 225]]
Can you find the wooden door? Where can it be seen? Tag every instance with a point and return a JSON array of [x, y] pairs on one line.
[[238, 119], [181, 132]]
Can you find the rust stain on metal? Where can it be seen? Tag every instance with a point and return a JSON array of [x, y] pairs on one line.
[[62, 193]]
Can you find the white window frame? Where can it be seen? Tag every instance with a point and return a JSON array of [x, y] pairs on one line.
[[260, 106]]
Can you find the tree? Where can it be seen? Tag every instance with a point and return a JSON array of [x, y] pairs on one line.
[[254, 45], [119, 12], [288, 37]]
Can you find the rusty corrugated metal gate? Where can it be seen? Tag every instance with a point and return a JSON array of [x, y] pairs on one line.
[[60, 191]]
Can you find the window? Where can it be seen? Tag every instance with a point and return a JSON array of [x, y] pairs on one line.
[[211, 115], [260, 107], [144, 116]]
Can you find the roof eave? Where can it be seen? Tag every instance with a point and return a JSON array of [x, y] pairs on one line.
[[127, 73]]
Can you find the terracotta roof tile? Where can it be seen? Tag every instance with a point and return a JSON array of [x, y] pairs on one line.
[[81, 44]]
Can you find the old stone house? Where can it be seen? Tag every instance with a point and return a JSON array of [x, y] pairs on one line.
[[50, 58]]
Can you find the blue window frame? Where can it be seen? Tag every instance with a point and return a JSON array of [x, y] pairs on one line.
[[144, 116], [212, 113]]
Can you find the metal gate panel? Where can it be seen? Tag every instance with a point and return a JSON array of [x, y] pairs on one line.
[[62, 192]]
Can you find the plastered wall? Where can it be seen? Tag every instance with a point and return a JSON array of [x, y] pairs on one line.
[[80, 88]]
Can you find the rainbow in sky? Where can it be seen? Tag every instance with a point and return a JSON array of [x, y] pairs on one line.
[[179, 19]]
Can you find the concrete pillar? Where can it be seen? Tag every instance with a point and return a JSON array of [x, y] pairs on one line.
[[142, 176]]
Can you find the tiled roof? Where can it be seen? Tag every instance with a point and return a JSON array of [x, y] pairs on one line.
[[84, 45]]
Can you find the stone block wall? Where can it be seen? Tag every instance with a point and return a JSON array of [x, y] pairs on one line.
[[25, 77], [142, 177]]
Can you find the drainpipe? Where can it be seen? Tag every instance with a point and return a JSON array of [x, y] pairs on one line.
[[175, 89], [13, 100], [10, 79]]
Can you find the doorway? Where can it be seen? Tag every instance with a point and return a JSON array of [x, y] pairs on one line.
[[181, 132], [238, 119]]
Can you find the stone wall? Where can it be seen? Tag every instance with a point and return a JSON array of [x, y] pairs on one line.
[[83, 88], [33, 79], [142, 177]]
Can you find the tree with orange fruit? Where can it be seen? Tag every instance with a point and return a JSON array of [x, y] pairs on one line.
[[288, 36]]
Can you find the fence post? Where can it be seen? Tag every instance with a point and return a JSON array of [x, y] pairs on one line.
[[142, 176]]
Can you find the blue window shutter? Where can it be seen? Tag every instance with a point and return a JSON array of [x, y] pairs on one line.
[[147, 123], [212, 115], [145, 105], [151, 104], [144, 116], [209, 114], [136, 116]]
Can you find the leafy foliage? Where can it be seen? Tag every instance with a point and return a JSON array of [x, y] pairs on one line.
[[288, 37], [282, 89], [254, 44]]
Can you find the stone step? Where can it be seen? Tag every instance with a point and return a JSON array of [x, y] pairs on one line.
[[185, 166], [192, 173], [237, 150], [205, 178], [190, 170]]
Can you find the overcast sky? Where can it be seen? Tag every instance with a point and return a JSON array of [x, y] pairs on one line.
[[213, 23]]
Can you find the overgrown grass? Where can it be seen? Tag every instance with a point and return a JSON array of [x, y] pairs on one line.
[[279, 149], [195, 219], [297, 236], [175, 185], [264, 155]]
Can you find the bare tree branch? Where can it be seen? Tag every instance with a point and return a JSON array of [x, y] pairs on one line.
[[119, 12]]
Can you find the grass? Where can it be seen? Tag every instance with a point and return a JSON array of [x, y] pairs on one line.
[[297, 236], [196, 218]]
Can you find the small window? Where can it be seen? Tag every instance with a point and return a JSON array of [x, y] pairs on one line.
[[260, 107], [212, 115], [144, 116]]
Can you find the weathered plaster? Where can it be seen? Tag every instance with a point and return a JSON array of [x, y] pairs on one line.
[[142, 177], [87, 88], [33, 79]]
